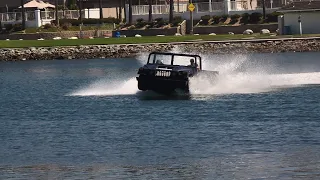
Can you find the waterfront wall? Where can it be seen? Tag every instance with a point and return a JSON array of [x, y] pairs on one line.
[[51, 35], [120, 51]]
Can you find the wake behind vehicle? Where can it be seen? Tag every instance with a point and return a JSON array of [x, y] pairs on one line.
[[166, 73]]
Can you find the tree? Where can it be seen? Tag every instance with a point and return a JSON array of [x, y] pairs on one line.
[[23, 15], [57, 17], [80, 10], [171, 12], [120, 10], [264, 9], [130, 11], [150, 10], [100, 9], [72, 4]]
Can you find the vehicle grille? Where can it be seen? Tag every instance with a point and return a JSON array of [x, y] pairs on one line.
[[163, 73]]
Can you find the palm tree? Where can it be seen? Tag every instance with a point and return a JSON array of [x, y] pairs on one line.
[[100, 9], [130, 11], [120, 10], [80, 10], [23, 15], [171, 12], [57, 17], [264, 9], [150, 10]]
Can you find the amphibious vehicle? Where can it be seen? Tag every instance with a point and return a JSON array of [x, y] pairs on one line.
[[166, 73]]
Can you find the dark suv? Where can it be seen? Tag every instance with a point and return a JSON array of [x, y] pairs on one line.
[[165, 73]]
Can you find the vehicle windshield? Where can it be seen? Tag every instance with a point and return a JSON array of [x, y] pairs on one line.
[[177, 60]]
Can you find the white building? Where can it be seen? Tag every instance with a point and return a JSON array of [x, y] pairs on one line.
[[309, 12]]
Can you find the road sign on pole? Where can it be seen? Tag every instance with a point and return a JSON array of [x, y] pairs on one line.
[[191, 7]]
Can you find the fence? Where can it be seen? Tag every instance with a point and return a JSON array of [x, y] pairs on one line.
[[158, 9], [205, 7]]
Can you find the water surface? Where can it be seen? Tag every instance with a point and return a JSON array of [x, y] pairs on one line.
[[85, 119]]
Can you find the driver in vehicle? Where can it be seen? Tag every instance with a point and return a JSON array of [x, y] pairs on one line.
[[159, 62], [192, 63]]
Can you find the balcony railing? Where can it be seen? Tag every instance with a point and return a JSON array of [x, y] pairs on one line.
[[205, 7], [158, 9]]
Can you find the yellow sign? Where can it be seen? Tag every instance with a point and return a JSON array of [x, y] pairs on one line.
[[191, 7]]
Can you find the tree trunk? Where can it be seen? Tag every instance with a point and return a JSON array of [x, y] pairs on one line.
[[150, 10], [171, 12], [23, 15], [80, 11], [264, 9], [57, 17], [130, 11], [100, 9], [120, 10]]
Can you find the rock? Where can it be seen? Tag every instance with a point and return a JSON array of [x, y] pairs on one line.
[[230, 33], [264, 31], [7, 39], [20, 39], [248, 32], [73, 38], [56, 38], [137, 35], [160, 35], [178, 34], [41, 39], [212, 34], [91, 37], [196, 34]]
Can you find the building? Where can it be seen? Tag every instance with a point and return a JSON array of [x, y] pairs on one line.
[[307, 11]]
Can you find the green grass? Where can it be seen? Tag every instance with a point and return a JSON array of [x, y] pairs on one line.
[[133, 40]]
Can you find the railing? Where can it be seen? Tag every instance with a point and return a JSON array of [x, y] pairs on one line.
[[158, 9], [16, 16], [239, 5], [205, 7], [67, 14]]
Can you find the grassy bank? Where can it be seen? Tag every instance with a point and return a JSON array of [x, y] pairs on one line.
[[134, 40]]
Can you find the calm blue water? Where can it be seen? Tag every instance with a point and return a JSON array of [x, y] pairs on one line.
[[84, 119]]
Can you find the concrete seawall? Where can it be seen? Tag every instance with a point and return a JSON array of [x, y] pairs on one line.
[[125, 50]]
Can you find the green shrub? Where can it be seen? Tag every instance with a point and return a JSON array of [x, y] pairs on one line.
[[205, 20], [8, 27], [140, 20], [160, 22], [273, 17], [245, 18], [17, 27], [224, 18], [47, 26], [234, 18], [75, 22], [140, 23], [255, 18], [216, 19], [176, 20], [66, 26]]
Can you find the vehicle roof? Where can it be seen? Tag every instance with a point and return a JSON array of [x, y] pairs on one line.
[[176, 54]]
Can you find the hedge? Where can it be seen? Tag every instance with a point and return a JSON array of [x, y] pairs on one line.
[[76, 22]]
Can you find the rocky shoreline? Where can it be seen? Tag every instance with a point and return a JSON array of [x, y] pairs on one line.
[[123, 51]]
